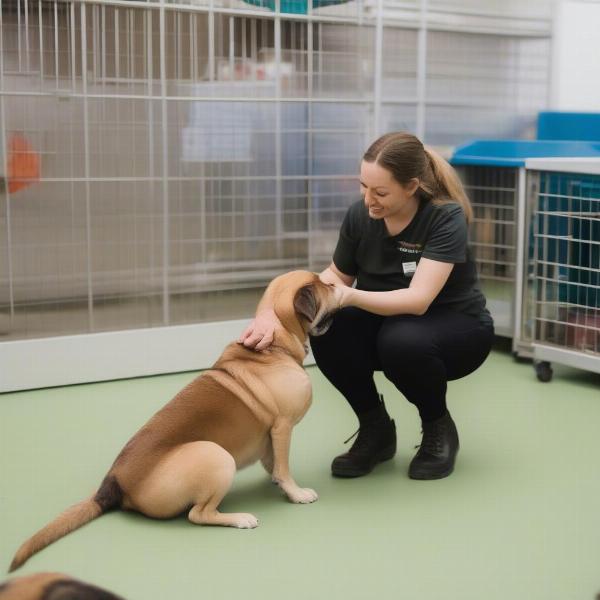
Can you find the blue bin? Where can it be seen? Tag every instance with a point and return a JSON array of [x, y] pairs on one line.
[[581, 126], [295, 7], [513, 153], [500, 161]]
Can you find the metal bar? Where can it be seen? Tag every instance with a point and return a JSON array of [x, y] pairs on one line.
[[27, 46], [310, 134], [41, 38], [571, 358], [586, 216], [335, 100], [377, 92], [422, 69], [86, 146], [56, 63], [562, 281], [211, 44], [95, 52], [165, 175], [8, 217], [232, 48], [103, 60], [195, 74], [73, 48], [278, 133], [244, 47], [19, 35], [489, 188], [568, 238], [151, 139], [178, 41], [131, 43], [340, 177], [521, 245], [117, 47], [202, 182]]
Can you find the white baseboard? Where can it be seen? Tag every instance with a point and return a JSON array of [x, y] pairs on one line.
[[66, 360]]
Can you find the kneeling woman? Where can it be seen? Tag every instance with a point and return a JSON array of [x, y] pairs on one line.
[[415, 311]]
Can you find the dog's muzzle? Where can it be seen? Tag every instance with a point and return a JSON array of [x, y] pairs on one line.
[[323, 324]]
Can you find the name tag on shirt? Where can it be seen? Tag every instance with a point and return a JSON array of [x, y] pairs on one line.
[[409, 268]]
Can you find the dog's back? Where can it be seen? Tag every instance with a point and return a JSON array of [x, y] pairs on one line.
[[204, 410]]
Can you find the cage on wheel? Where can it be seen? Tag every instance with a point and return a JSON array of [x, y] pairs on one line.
[[561, 312], [494, 175]]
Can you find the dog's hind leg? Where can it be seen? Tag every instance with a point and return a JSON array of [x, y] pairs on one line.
[[217, 477], [197, 474]]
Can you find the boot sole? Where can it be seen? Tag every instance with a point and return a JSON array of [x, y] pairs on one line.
[[350, 472], [424, 476]]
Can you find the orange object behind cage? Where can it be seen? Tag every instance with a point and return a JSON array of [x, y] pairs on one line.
[[23, 163]]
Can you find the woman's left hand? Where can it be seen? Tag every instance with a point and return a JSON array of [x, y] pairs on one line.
[[344, 295]]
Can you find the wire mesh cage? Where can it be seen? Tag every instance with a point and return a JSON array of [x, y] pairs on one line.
[[187, 152], [494, 195], [561, 315], [177, 174]]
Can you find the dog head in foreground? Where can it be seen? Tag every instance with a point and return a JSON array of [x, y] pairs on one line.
[[52, 586]]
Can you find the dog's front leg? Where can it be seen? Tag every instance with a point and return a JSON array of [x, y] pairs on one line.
[[281, 435]]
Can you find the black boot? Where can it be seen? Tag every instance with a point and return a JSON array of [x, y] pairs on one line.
[[375, 443], [437, 453]]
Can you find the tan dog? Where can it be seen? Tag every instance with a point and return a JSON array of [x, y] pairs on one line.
[[52, 586], [241, 410]]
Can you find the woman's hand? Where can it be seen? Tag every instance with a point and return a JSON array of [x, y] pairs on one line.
[[342, 284], [344, 295], [260, 333]]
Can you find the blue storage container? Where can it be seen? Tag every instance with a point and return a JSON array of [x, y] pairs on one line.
[[297, 7], [490, 172], [555, 125], [513, 153]]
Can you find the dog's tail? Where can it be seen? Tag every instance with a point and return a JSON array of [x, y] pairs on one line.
[[108, 496]]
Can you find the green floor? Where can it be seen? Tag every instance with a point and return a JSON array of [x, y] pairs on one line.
[[519, 518]]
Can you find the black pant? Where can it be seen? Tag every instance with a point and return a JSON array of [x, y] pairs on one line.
[[418, 354]]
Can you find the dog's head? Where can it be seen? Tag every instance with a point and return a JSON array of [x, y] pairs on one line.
[[316, 303], [303, 303]]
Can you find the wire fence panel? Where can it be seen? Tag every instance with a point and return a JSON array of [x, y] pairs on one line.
[[162, 161], [562, 300], [493, 236]]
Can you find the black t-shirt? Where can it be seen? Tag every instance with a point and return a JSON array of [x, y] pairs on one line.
[[381, 262]]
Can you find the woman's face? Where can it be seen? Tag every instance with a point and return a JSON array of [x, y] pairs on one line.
[[382, 194]]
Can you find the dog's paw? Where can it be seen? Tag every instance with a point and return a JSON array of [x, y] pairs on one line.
[[303, 496], [244, 521]]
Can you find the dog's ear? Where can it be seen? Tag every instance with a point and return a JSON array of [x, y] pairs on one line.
[[305, 302]]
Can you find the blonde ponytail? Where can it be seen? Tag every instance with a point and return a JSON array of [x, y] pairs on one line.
[[447, 186]]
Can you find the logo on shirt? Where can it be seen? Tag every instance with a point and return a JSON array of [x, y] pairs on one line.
[[409, 248]]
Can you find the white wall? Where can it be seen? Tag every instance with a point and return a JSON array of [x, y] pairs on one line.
[[576, 56]]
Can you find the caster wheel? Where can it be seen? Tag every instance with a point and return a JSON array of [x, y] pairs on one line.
[[543, 370]]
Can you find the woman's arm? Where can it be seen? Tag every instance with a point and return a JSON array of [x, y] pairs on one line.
[[427, 282], [333, 275], [260, 332]]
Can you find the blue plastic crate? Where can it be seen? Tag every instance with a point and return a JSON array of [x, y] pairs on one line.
[[296, 7], [513, 153], [555, 125]]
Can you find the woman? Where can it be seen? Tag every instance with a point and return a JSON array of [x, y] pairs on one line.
[[415, 311]]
